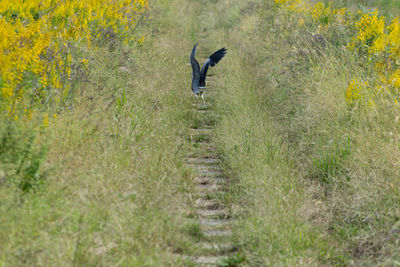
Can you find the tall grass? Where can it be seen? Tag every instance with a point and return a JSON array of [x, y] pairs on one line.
[[112, 189], [314, 179]]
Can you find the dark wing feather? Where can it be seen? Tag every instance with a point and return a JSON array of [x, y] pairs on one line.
[[203, 72], [212, 60], [217, 56], [195, 71]]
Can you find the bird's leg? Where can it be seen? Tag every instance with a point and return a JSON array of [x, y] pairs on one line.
[[197, 99], [202, 97]]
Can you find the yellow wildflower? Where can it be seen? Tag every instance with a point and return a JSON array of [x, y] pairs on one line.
[[85, 63], [45, 122], [394, 79], [353, 92], [371, 32], [141, 40]]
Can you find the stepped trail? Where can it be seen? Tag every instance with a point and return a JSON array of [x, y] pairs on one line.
[[209, 214], [210, 182]]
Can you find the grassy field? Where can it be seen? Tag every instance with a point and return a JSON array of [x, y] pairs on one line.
[[313, 179]]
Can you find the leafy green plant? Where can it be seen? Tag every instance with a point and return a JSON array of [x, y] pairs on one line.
[[231, 261], [21, 157]]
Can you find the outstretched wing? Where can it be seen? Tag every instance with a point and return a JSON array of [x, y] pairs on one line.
[[195, 70], [212, 60]]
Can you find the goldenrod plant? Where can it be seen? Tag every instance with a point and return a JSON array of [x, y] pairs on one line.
[[37, 37]]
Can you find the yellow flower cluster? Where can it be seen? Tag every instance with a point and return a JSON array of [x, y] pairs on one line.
[[373, 35], [382, 42], [287, 2], [370, 32], [354, 91], [35, 59], [284, 2], [319, 12]]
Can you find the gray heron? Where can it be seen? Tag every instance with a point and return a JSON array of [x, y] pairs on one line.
[[199, 75]]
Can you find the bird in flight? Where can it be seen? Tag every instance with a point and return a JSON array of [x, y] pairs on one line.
[[199, 75]]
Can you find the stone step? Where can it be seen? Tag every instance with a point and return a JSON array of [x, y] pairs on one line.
[[200, 139], [206, 260], [210, 173], [197, 129], [206, 148], [204, 131], [206, 107], [202, 108], [206, 167], [214, 222], [210, 180], [210, 194], [209, 188], [207, 204], [220, 213], [203, 149], [216, 233], [216, 246], [203, 161]]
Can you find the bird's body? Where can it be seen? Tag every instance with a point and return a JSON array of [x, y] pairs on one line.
[[199, 75]]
